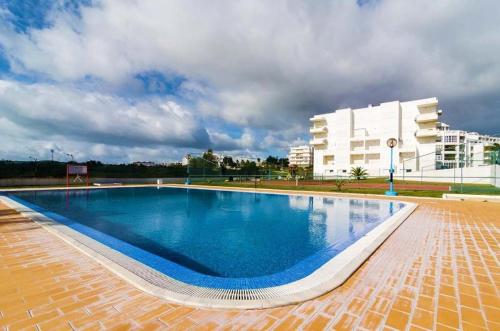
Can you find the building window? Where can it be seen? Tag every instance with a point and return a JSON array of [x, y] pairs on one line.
[[450, 139]]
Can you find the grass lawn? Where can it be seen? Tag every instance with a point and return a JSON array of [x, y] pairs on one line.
[[318, 188], [467, 188], [290, 185]]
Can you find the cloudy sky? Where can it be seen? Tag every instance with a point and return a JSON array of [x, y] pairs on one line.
[[125, 80]]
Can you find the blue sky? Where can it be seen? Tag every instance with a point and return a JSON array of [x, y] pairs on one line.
[[150, 80]]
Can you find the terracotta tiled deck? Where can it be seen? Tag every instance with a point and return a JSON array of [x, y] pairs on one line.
[[439, 270]]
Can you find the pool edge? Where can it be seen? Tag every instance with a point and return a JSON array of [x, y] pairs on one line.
[[324, 279]]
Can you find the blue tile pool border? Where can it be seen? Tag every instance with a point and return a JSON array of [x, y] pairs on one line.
[[180, 273]]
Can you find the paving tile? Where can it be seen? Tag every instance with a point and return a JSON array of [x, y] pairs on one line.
[[380, 305], [372, 320], [345, 322], [402, 304], [318, 323], [423, 318], [265, 323], [356, 306], [472, 317], [448, 302], [292, 322], [397, 319], [492, 314], [469, 301], [448, 318], [177, 313]]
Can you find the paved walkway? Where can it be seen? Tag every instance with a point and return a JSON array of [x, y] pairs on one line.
[[439, 270]]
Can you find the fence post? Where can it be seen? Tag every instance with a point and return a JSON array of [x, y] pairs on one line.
[[461, 179], [403, 171], [454, 169]]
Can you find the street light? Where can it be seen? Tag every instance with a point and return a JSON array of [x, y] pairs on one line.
[[35, 160], [188, 180], [188, 158], [391, 143]]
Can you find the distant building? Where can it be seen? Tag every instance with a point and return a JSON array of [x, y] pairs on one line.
[[301, 156], [144, 163], [349, 137], [457, 148]]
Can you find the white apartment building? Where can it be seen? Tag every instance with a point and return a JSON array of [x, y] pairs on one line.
[[349, 137], [457, 148], [301, 156]]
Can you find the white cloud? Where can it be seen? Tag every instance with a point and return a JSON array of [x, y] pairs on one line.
[[262, 64], [224, 142], [100, 118]]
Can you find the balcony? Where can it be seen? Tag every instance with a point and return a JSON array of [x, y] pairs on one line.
[[364, 138], [318, 141], [428, 104], [407, 149], [372, 151], [322, 129], [358, 152], [425, 118], [425, 133]]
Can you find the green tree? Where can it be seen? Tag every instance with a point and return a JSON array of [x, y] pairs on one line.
[[283, 162], [359, 173], [249, 167], [492, 154], [271, 160], [228, 162], [209, 156], [340, 182]]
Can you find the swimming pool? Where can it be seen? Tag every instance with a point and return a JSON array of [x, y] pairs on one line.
[[216, 239]]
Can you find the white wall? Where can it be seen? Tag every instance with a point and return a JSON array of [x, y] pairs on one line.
[[13, 182], [471, 175]]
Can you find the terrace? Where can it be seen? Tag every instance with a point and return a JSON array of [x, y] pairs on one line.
[[439, 269]]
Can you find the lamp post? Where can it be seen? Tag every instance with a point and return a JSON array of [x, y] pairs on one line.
[[188, 179], [35, 161], [391, 143]]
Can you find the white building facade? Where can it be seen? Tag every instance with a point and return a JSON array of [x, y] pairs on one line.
[[457, 148], [349, 137], [301, 156]]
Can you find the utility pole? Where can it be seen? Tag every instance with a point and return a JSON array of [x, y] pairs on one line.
[[35, 160]]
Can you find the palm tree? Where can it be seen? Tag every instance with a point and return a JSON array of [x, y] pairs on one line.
[[358, 172]]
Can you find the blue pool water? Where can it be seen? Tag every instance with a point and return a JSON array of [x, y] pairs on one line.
[[214, 234]]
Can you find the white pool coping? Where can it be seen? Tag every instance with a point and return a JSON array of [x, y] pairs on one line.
[[324, 279], [472, 197]]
